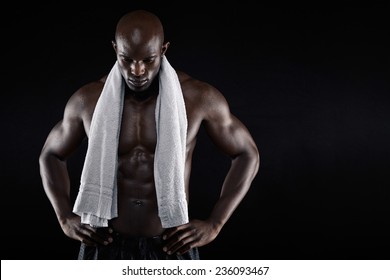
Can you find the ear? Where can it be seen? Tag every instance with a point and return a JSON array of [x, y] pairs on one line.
[[164, 48], [114, 45]]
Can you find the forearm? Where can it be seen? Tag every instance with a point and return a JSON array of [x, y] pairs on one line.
[[55, 180], [236, 184]]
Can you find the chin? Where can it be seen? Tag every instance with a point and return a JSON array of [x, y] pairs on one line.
[[139, 89]]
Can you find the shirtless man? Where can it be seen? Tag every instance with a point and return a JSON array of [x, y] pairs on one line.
[[139, 46]]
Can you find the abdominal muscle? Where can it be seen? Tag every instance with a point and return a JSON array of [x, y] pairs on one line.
[[137, 203]]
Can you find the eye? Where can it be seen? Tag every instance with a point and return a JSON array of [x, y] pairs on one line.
[[149, 60], [126, 59]]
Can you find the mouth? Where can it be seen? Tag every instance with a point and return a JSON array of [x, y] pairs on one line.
[[138, 83]]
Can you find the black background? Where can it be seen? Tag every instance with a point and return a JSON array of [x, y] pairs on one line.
[[312, 86]]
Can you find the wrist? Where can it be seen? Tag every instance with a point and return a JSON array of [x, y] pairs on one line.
[[216, 225], [64, 218]]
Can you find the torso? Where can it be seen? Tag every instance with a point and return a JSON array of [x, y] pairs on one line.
[[137, 204]]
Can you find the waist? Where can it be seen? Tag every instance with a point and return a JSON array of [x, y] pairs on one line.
[[131, 237], [133, 240], [129, 227]]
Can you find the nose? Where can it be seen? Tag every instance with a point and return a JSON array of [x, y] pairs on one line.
[[137, 68]]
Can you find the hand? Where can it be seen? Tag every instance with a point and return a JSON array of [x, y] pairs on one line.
[[74, 229], [182, 238]]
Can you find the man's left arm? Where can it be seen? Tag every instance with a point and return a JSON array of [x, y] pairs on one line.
[[231, 136]]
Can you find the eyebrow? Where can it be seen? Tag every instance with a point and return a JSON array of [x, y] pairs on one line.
[[148, 57]]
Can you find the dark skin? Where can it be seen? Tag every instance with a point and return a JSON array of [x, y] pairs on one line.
[[139, 45]]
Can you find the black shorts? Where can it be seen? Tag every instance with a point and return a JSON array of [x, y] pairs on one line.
[[133, 248]]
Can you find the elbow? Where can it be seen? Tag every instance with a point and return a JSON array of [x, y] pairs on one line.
[[256, 158], [251, 157], [44, 156], [43, 159], [47, 157]]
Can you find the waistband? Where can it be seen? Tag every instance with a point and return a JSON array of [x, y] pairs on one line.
[[157, 239]]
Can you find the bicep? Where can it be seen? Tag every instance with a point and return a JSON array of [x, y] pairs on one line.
[[65, 136], [227, 132], [63, 139], [230, 136]]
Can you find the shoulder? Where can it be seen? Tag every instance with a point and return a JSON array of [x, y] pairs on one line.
[[201, 92], [84, 99], [202, 95]]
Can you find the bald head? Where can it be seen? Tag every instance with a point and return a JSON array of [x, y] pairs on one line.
[[139, 46], [138, 27]]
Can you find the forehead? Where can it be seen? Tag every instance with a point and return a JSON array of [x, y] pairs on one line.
[[138, 43]]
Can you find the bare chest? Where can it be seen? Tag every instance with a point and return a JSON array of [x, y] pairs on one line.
[[138, 127]]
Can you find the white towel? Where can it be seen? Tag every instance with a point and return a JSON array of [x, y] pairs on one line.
[[96, 201]]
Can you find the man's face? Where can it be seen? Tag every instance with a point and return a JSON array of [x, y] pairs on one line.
[[139, 61]]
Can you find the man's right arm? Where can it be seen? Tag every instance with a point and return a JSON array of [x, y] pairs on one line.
[[62, 141]]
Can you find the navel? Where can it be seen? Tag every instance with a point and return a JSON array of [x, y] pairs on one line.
[[138, 202]]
